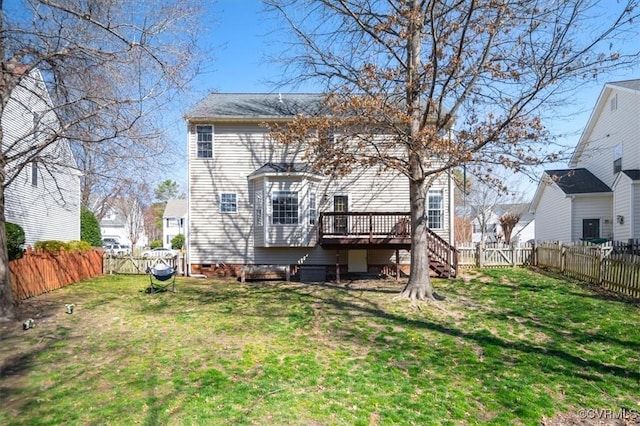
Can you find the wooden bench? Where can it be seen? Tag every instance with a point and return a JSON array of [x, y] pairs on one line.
[[265, 272]]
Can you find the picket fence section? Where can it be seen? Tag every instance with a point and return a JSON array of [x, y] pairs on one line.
[[613, 265], [494, 255], [39, 272]]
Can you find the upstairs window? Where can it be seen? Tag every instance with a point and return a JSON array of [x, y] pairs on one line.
[[228, 203], [613, 104], [435, 209], [34, 173], [617, 158], [205, 141], [284, 206]]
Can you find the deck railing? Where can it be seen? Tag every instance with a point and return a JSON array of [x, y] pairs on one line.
[[382, 227], [357, 224]]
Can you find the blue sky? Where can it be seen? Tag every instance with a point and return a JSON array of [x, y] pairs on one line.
[[242, 37]]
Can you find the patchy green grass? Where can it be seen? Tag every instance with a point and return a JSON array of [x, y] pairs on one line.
[[506, 347]]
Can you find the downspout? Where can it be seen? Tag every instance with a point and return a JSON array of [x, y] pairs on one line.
[[187, 227], [451, 208]]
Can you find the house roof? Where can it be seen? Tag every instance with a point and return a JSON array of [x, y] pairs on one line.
[[633, 174], [571, 182], [632, 86], [627, 84], [577, 181], [175, 208], [271, 169], [255, 106]]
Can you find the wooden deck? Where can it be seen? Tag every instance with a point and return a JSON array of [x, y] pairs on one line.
[[383, 230]]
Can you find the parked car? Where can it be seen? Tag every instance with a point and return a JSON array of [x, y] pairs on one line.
[[116, 249], [160, 252]]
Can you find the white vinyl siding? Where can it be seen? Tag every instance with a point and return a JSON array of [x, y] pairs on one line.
[[553, 215], [50, 210], [592, 207], [622, 208], [611, 129]]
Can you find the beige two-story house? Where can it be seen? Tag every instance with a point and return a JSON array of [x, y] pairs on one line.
[[255, 201]]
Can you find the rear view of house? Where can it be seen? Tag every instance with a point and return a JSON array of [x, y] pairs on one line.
[[254, 201]]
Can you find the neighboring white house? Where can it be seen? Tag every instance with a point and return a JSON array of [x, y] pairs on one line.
[[253, 201], [43, 197], [598, 195], [523, 231], [174, 220], [118, 226]]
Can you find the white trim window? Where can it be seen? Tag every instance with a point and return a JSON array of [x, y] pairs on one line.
[[34, 173], [284, 208], [204, 140], [313, 209], [435, 209], [258, 208], [228, 202], [617, 158]]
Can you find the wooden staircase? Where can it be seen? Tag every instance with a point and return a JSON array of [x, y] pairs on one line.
[[443, 257]]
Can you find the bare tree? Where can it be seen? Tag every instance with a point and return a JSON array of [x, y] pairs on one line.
[[508, 222], [109, 67], [411, 67]]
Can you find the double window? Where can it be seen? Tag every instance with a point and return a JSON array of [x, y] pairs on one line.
[[204, 141], [284, 205]]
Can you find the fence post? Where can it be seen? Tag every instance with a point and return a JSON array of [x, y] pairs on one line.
[[600, 277], [534, 254], [563, 254], [513, 255]]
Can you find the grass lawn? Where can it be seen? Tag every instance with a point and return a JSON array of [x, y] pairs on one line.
[[506, 347]]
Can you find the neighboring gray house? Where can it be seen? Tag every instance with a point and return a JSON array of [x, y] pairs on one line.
[[253, 201], [174, 220], [44, 196], [598, 195]]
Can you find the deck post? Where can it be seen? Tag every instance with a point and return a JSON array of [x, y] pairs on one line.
[[397, 265], [338, 266]]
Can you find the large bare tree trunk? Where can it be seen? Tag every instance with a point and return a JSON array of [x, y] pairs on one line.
[[419, 285], [7, 309]]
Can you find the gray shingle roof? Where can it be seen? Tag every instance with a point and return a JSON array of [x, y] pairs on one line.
[[633, 174], [578, 181], [256, 105], [628, 84], [175, 208]]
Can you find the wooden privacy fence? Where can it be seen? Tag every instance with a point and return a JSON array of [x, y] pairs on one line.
[[39, 272], [613, 265]]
